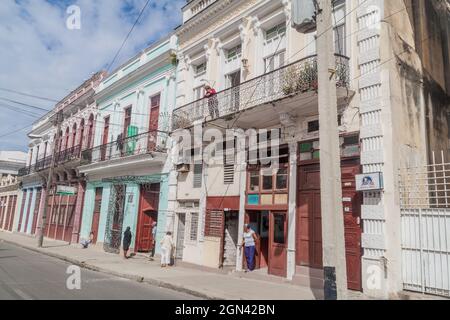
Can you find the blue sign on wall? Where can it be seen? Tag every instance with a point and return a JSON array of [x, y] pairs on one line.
[[253, 199]]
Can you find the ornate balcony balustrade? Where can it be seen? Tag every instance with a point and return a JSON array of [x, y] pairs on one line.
[[145, 143], [64, 156], [289, 80], [67, 155]]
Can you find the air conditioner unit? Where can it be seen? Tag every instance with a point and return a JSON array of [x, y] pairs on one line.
[[304, 15], [183, 168]]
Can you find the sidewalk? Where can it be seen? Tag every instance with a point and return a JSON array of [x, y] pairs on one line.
[[200, 283]]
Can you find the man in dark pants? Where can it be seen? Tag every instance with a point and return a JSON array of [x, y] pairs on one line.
[[126, 242]]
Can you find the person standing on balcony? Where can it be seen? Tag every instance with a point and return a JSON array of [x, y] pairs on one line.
[[213, 103]]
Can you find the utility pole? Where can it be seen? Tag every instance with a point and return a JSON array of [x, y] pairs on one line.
[[50, 186], [333, 242]]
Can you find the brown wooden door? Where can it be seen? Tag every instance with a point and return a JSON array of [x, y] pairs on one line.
[[352, 201], [148, 214], [278, 244], [309, 221], [96, 214], [154, 122], [36, 211]]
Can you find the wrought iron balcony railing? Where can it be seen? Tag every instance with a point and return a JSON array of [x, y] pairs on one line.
[[298, 77], [145, 143], [24, 171], [67, 155], [45, 163]]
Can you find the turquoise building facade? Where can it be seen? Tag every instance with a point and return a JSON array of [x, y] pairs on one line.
[[127, 170]]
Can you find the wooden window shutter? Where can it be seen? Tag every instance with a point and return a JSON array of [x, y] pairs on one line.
[[214, 223]]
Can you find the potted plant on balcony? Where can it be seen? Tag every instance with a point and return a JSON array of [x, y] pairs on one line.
[[289, 81], [307, 79]]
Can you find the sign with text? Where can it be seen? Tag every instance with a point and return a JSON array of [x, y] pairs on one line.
[[66, 191], [369, 182]]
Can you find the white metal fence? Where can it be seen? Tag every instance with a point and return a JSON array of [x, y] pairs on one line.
[[425, 227]]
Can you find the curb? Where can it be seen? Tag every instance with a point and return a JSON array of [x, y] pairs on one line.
[[140, 279]]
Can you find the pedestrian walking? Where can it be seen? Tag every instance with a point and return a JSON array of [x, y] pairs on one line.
[[152, 252], [126, 242], [166, 249], [249, 245]]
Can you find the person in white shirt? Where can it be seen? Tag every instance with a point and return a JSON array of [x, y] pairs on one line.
[[166, 249], [249, 245]]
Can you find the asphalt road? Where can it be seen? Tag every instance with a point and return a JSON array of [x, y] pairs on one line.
[[27, 275]]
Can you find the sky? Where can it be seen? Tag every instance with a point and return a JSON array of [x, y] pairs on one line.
[[41, 56]]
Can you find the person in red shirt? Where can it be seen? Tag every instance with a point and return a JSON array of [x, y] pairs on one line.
[[213, 103]]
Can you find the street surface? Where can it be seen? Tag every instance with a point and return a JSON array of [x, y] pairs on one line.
[[27, 275]]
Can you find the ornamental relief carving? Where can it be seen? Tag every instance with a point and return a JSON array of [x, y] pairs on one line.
[[198, 32]]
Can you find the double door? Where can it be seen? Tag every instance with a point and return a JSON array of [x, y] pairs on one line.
[[309, 220], [271, 247]]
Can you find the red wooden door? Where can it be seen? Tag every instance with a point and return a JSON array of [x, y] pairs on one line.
[[105, 139], [12, 211], [352, 201], [69, 218], [96, 215], [148, 214], [154, 122], [36, 211], [278, 244], [309, 221]]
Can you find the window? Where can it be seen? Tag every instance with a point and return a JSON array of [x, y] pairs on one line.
[[313, 126], [267, 179], [228, 174], [279, 30], [194, 227], [127, 121], [339, 39], [275, 62], [198, 93], [198, 172], [254, 181], [279, 229], [234, 53], [282, 179], [339, 26], [200, 69]]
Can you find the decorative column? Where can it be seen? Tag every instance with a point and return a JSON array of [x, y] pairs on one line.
[[292, 210], [242, 169], [78, 212]]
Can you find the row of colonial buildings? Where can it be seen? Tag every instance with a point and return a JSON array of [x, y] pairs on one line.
[[143, 144]]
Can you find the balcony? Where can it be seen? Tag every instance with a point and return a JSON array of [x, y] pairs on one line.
[[68, 155], [297, 79], [40, 165], [142, 144], [62, 157]]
